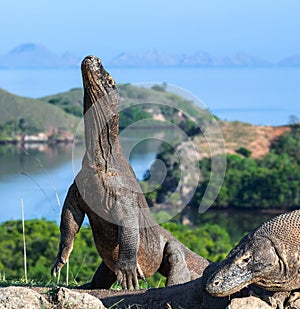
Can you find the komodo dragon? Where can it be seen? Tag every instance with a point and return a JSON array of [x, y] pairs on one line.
[[128, 240], [269, 257]]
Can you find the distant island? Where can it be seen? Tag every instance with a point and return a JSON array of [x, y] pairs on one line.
[[55, 118], [23, 119], [35, 56]]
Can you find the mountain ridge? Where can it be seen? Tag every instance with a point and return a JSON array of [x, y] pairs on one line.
[[154, 58], [37, 56]]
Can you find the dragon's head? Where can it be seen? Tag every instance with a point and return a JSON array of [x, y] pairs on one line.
[[98, 84], [101, 106], [252, 259]]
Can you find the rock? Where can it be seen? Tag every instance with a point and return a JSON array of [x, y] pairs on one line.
[[70, 299], [294, 301], [250, 302], [63, 298], [28, 298], [20, 297]]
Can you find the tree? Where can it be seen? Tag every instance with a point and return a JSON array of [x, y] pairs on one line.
[[244, 152]]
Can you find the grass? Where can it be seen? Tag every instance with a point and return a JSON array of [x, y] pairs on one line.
[[26, 283], [144, 285], [238, 133], [34, 113], [24, 241]]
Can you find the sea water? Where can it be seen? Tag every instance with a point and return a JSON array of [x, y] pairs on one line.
[[261, 96]]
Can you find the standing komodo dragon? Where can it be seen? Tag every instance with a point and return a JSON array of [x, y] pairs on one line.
[[128, 240], [269, 257]]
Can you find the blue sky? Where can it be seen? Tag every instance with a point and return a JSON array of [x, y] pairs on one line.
[[266, 28]]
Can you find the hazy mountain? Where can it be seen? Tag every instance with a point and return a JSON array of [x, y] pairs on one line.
[[125, 59], [34, 56], [152, 58], [291, 61], [242, 59], [199, 59]]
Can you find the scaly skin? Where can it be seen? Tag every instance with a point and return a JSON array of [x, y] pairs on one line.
[[129, 242], [269, 257]]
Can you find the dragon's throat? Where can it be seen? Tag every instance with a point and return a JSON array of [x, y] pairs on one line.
[[101, 111]]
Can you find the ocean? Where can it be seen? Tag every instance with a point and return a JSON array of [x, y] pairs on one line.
[[260, 96]]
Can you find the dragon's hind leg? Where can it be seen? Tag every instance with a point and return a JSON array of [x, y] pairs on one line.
[[177, 270], [102, 279]]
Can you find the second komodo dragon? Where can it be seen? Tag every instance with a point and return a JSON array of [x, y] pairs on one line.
[[128, 240], [268, 257]]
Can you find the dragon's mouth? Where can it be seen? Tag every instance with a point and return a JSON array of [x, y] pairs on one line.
[[98, 83], [93, 72], [219, 285], [92, 63]]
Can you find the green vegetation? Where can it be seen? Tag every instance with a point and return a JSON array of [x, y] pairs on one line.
[[208, 240], [61, 112], [244, 152], [271, 182], [160, 103], [131, 115], [70, 102], [12, 128], [136, 103], [21, 115], [42, 239], [168, 155]]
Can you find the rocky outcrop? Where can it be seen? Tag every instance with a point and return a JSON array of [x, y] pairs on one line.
[[248, 303], [61, 298], [71, 299], [44, 298], [21, 297]]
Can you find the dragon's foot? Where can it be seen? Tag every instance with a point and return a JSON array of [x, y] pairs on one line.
[[127, 275]]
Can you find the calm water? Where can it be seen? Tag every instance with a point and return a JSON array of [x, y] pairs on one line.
[[41, 175], [256, 95]]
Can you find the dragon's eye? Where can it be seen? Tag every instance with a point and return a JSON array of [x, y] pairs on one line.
[[246, 260]]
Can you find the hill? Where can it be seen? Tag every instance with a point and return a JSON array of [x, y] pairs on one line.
[[138, 103], [236, 135], [59, 114], [21, 117], [70, 101], [261, 168]]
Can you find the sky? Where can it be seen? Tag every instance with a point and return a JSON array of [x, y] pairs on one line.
[[266, 28]]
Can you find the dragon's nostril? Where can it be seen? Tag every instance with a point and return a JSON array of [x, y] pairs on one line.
[[216, 283]]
